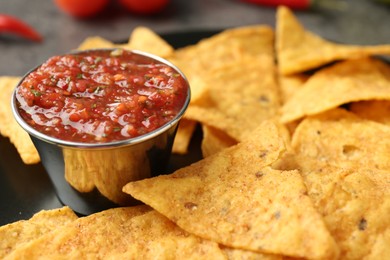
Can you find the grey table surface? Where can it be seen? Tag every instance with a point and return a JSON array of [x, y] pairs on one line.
[[362, 22]]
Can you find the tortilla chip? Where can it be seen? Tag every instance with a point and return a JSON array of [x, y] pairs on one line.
[[51, 218], [343, 139], [111, 177], [144, 39], [376, 110], [95, 42], [97, 169], [228, 46], [108, 170], [355, 203], [299, 50], [198, 89], [233, 198], [161, 238], [10, 128], [141, 38], [183, 136], [233, 253], [213, 118], [120, 233], [342, 83], [215, 141], [77, 173], [289, 85], [223, 48], [19, 233], [241, 95]]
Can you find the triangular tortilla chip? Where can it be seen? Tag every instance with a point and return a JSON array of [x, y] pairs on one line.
[[75, 174], [10, 128], [214, 140], [215, 118], [342, 139], [239, 97], [233, 198], [120, 233], [233, 253], [227, 47], [342, 83], [19, 233], [144, 39], [231, 46], [355, 203], [141, 38], [95, 42], [289, 85], [299, 50], [183, 136], [376, 110]]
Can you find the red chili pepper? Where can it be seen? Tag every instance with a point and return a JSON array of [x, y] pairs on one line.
[[10, 24], [294, 4], [303, 4]]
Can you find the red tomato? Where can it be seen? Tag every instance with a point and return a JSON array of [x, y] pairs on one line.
[[144, 6], [81, 8]]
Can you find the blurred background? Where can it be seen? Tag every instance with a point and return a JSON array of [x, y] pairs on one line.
[[64, 24]]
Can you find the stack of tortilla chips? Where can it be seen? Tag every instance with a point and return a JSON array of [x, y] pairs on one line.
[[296, 158]]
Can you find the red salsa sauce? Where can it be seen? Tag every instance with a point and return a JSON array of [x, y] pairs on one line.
[[100, 96]]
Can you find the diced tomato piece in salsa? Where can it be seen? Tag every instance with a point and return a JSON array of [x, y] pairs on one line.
[[101, 96]]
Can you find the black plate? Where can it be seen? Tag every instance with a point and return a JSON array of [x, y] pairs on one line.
[[26, 189]]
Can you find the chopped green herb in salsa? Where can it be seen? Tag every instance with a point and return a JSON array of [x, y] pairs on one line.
[[101, 96]]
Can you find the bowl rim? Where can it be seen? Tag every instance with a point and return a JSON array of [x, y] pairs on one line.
[[103, 145]]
